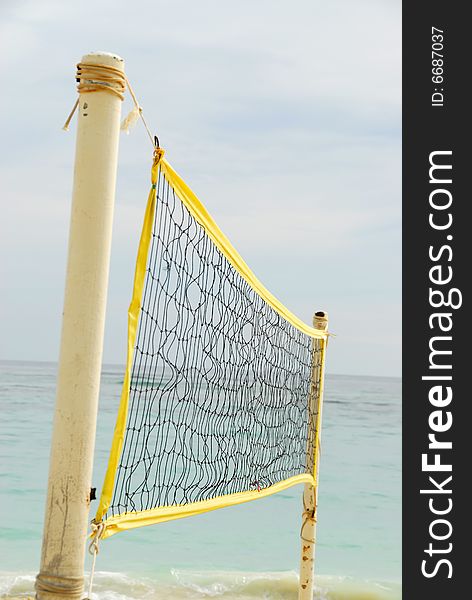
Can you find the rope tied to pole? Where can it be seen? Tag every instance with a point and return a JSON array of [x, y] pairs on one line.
[[103, 78], [97, 532], [309, 514], [64, 587], [97, 78]]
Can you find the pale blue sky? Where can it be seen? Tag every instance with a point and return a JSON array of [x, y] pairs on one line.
[[285, 119]]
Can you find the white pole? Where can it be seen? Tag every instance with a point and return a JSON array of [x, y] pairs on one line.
[[310, 494], [73, 439]]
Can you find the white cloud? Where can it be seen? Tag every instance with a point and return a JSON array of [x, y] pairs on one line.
[[285, 119]]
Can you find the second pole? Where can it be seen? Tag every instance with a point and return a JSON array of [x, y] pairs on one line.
[[310, 493]]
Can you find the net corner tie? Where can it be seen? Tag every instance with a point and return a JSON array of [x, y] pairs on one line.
[[158, 153], [97, 532]]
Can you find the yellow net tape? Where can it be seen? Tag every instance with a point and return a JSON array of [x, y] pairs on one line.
[[202, 216]]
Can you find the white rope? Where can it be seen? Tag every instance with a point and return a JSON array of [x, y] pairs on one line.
[[93, 549], [131, 119]]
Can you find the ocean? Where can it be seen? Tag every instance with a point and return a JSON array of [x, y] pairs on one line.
[[250, 551]]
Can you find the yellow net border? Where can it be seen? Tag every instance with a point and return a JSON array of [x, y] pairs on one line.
[[131, 520]]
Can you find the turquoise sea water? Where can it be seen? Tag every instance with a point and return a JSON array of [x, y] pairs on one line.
[[246, 551]]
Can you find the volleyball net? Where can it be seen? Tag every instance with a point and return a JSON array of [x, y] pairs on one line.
[[221, 400]]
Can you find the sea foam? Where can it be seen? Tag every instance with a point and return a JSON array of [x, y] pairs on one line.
[[199, 585]]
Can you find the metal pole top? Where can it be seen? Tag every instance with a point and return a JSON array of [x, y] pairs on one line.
[[104, 58]]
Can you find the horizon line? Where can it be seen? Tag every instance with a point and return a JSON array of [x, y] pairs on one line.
[[122, 366]]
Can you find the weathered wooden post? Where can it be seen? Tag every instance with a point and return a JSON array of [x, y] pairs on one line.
[[310, 493], [101, 86]]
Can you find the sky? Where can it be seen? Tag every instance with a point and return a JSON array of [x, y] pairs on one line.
[[284, 118]]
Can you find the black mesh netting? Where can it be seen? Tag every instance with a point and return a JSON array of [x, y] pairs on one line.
[[220, 381]]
